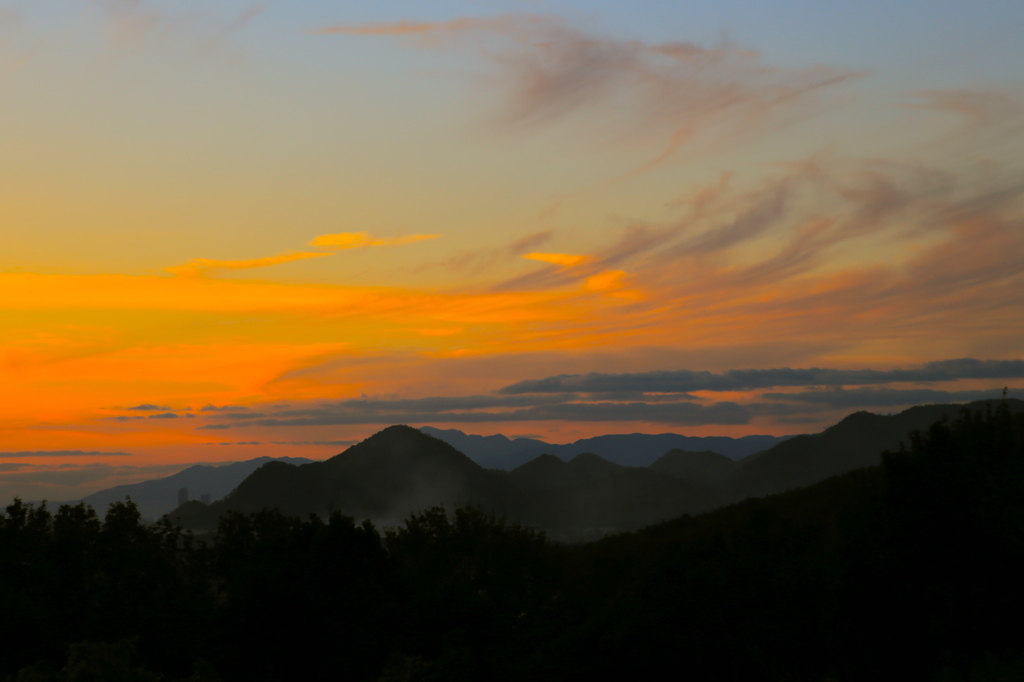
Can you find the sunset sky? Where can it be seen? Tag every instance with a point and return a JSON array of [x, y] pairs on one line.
[[234, 229]]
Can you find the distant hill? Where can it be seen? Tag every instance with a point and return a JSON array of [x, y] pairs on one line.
[[589, 492], [635, 449], [699, 467], [485, 450], [159, 496], [856, 441], [401, 470], [386, 477]]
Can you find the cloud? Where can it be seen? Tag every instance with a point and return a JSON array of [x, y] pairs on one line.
[[6, 467], [61, 453], [680, 414], [135, 24], [165, 415], [547, 71], [684, 381], [359, 240], [369, 406], [678, 410], [752, 222], [566, 260], [63, 476], [198, 267], [147, 407], [337, 443], [428, 33], [884, 397], [649, 397], [530, 241], [976, 107]]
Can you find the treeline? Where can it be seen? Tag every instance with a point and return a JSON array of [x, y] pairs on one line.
[[910, 570]]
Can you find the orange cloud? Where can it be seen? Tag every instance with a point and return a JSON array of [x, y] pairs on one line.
[[358, 240], [564, 259], [203, 266]]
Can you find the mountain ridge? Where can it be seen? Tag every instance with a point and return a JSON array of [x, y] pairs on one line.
[[401, 470], [629, 449], [158, 496]]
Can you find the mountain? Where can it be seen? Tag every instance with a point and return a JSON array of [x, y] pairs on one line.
[[386, 477], [157, 497], [484, 450], [636, 449], [402, 470], [855, 442], [591, 493], [699, 467]]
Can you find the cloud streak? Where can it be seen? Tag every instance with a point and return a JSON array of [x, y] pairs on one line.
[[360, 240], [199, 267], [685, 381], [547, 71], [677, 413], [61, 453], [884, 397]]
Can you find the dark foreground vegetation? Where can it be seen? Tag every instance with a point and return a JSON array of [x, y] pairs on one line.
[[910, 570]]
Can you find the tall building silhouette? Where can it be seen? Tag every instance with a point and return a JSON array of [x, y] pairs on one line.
[[182, 496]]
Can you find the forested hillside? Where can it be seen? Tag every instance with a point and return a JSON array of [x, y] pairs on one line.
[[907, 570]]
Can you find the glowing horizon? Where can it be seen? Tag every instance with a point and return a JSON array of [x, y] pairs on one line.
[[333, 215]]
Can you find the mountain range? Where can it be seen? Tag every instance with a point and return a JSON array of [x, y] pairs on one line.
[[634, 449], [401, 470], [159, 496]]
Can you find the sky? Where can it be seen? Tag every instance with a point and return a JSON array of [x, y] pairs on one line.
[[234, 229]]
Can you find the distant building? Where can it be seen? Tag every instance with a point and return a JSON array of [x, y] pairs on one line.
[[205, 498], [182, 496]]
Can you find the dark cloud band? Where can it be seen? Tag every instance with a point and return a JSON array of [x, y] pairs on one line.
[[683, 381]]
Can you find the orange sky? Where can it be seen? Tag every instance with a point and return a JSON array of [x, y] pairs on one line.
[[262, 230]]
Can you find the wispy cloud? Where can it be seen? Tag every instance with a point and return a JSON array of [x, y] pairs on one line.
[[530, 241], [885, 397], [359, 240], [477, 409], [547, 71], [432, 33], [135, 24], [61, 453], [566, 260], [685, 381], [976, 107], [198, 267], [332, 443], [662, 397]]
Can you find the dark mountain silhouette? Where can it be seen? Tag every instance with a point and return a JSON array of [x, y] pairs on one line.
[[485, 450], [159, 496], [591, 492], [385, 477], [906, 570], [401, 470], [855, 442], [698, 467], [635, 449]]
